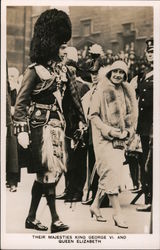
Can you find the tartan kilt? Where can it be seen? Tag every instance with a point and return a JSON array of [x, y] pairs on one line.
[[47, 150]]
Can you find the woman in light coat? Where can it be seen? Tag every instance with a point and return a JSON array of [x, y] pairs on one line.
[[113, 116]]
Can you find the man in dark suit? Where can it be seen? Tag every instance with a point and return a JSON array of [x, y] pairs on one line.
[[145, 122], [76, 150]]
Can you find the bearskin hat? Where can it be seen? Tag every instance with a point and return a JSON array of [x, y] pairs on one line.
[[51, 30]]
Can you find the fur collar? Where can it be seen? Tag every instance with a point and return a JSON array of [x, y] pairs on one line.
[[114, 111]]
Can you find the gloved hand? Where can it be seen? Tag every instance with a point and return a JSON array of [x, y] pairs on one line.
[[123, 134], [115, 132], [81, 125], [23, 139], [81, 135]]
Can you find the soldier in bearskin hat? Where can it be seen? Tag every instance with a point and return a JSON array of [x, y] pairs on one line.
[[47, 104]]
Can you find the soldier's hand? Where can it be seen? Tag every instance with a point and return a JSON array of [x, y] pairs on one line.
[[81, 125], [23, 139]]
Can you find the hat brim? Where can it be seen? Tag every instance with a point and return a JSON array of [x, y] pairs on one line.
[[150, 50]]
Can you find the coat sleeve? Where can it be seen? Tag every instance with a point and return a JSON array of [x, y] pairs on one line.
[[24, 95], [133, 116], [75, 95], [95, 116], [8, 107]]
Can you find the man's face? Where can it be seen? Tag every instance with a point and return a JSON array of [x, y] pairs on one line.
[[149, 56], [117, 76], [62, 52], [94, 78]]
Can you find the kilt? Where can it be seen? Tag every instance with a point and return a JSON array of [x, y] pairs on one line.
[[47, 151]]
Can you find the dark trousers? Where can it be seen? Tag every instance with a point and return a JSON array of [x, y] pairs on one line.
[[133, 167], [12, 166], [76, 169], [146, 172]]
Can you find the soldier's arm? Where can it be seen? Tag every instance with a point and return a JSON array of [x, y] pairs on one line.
[[24, 95]]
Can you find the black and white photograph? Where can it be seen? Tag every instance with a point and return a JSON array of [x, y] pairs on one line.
[[80, 120]]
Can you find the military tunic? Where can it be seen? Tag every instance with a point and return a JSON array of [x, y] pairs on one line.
[[144, 128], [39, 111], [145, 94]]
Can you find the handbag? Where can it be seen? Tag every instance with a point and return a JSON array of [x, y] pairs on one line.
[[118, 143]]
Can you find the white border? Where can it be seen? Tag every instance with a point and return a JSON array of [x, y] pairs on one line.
[[25, 241]]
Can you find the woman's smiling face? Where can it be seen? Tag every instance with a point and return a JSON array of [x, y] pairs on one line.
[[117, 76]]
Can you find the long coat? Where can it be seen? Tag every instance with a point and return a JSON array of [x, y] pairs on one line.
[[106, 112], [11, 140]]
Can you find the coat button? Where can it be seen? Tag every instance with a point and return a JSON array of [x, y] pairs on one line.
[[54, 108], [141, 108], [142, 100], [144, 90]]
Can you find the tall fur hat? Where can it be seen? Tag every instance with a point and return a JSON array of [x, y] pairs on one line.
[[52, 28]]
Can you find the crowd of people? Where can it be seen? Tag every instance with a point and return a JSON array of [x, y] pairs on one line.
[[81, 113]]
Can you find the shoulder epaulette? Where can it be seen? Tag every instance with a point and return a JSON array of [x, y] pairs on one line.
[[31, 66], [42, 72]]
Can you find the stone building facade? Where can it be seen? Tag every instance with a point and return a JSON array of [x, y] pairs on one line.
[[18, 36], [112, 27]]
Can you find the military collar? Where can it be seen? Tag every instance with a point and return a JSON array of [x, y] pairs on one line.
[[149, 74]]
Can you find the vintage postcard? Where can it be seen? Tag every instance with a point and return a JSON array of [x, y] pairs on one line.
[[80, 132]]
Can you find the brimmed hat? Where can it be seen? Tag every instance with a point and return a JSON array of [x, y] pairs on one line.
[[119, 64], [109, 51], [96, 49], [149, 43]]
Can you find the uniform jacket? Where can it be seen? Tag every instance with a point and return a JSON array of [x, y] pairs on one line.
[[145, 94], [39, 88]]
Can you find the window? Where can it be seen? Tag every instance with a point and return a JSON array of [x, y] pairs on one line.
[[86, 27]]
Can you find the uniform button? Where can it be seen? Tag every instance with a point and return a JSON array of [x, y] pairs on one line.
[[147, 80], [141, 108], [144, 90], [38, 113], [142, 100]]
